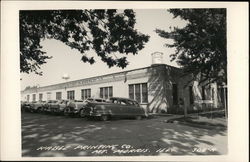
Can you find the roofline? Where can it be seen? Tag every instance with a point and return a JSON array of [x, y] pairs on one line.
[[154, 65]]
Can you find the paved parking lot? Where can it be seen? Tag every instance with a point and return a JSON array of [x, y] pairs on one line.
[[53, 135]]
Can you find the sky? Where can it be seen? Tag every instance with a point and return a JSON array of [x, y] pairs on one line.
[[68, 61]]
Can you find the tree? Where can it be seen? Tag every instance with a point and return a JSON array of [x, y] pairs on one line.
[[201, 44], [105, 31]]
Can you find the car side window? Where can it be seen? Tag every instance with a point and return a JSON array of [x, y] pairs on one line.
[[130, 102], [123, 102], [98, 100], [114, 101]]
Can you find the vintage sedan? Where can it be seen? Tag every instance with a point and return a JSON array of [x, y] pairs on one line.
[[37, 106], [25, 106], [49, 105], [89, 100], [115, 107], [58, 107], [74, 107]]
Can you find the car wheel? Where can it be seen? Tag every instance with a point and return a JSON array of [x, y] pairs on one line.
[[39, 109], [81, 114], [66, 112], [138, 117], [104, 117]]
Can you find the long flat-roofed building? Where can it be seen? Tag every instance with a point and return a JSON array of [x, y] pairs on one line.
[[158, 88]]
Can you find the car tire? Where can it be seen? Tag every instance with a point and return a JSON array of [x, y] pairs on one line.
[[66, 112], [81, 113], [138, 117], [39, 110], [104, 117]]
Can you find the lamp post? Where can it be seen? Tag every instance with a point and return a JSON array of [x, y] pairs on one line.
[[65, 77]]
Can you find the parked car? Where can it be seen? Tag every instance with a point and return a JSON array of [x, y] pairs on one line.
[[25, 106], [73, 107], [89, 100], [37, 106], [49, 105], [58, 107], [115, 107]]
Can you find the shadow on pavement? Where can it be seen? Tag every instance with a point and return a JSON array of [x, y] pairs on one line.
[[159, 138]]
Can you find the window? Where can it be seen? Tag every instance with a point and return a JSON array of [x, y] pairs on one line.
[[58, 95], [28, 98], [40, 97], [101, 92], [34, 97], [175, 94], [138, 92], [191, 95], [106, 92], [131, 91], [48, 95], [71, 95], [110, 91], [86, 93]]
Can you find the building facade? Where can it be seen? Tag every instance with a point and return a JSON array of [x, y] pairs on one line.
[[158, 88]]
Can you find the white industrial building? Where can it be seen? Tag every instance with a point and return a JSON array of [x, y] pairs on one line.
[[158, 88]]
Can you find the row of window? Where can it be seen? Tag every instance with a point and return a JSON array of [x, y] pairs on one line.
[[138, 92]]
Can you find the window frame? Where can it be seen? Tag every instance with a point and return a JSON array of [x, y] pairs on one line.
[[85, 93], [33, 97], [40, 96], [132, 95], [71, 92], [106, 92], [59, 95]]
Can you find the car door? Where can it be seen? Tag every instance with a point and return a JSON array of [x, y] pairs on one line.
[[131, 108], [115, 107], [124, 108]]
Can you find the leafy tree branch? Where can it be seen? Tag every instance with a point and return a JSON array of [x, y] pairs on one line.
[[104, 31]]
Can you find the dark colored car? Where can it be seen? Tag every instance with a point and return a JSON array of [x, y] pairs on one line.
[[25, 106], [115, 107]]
